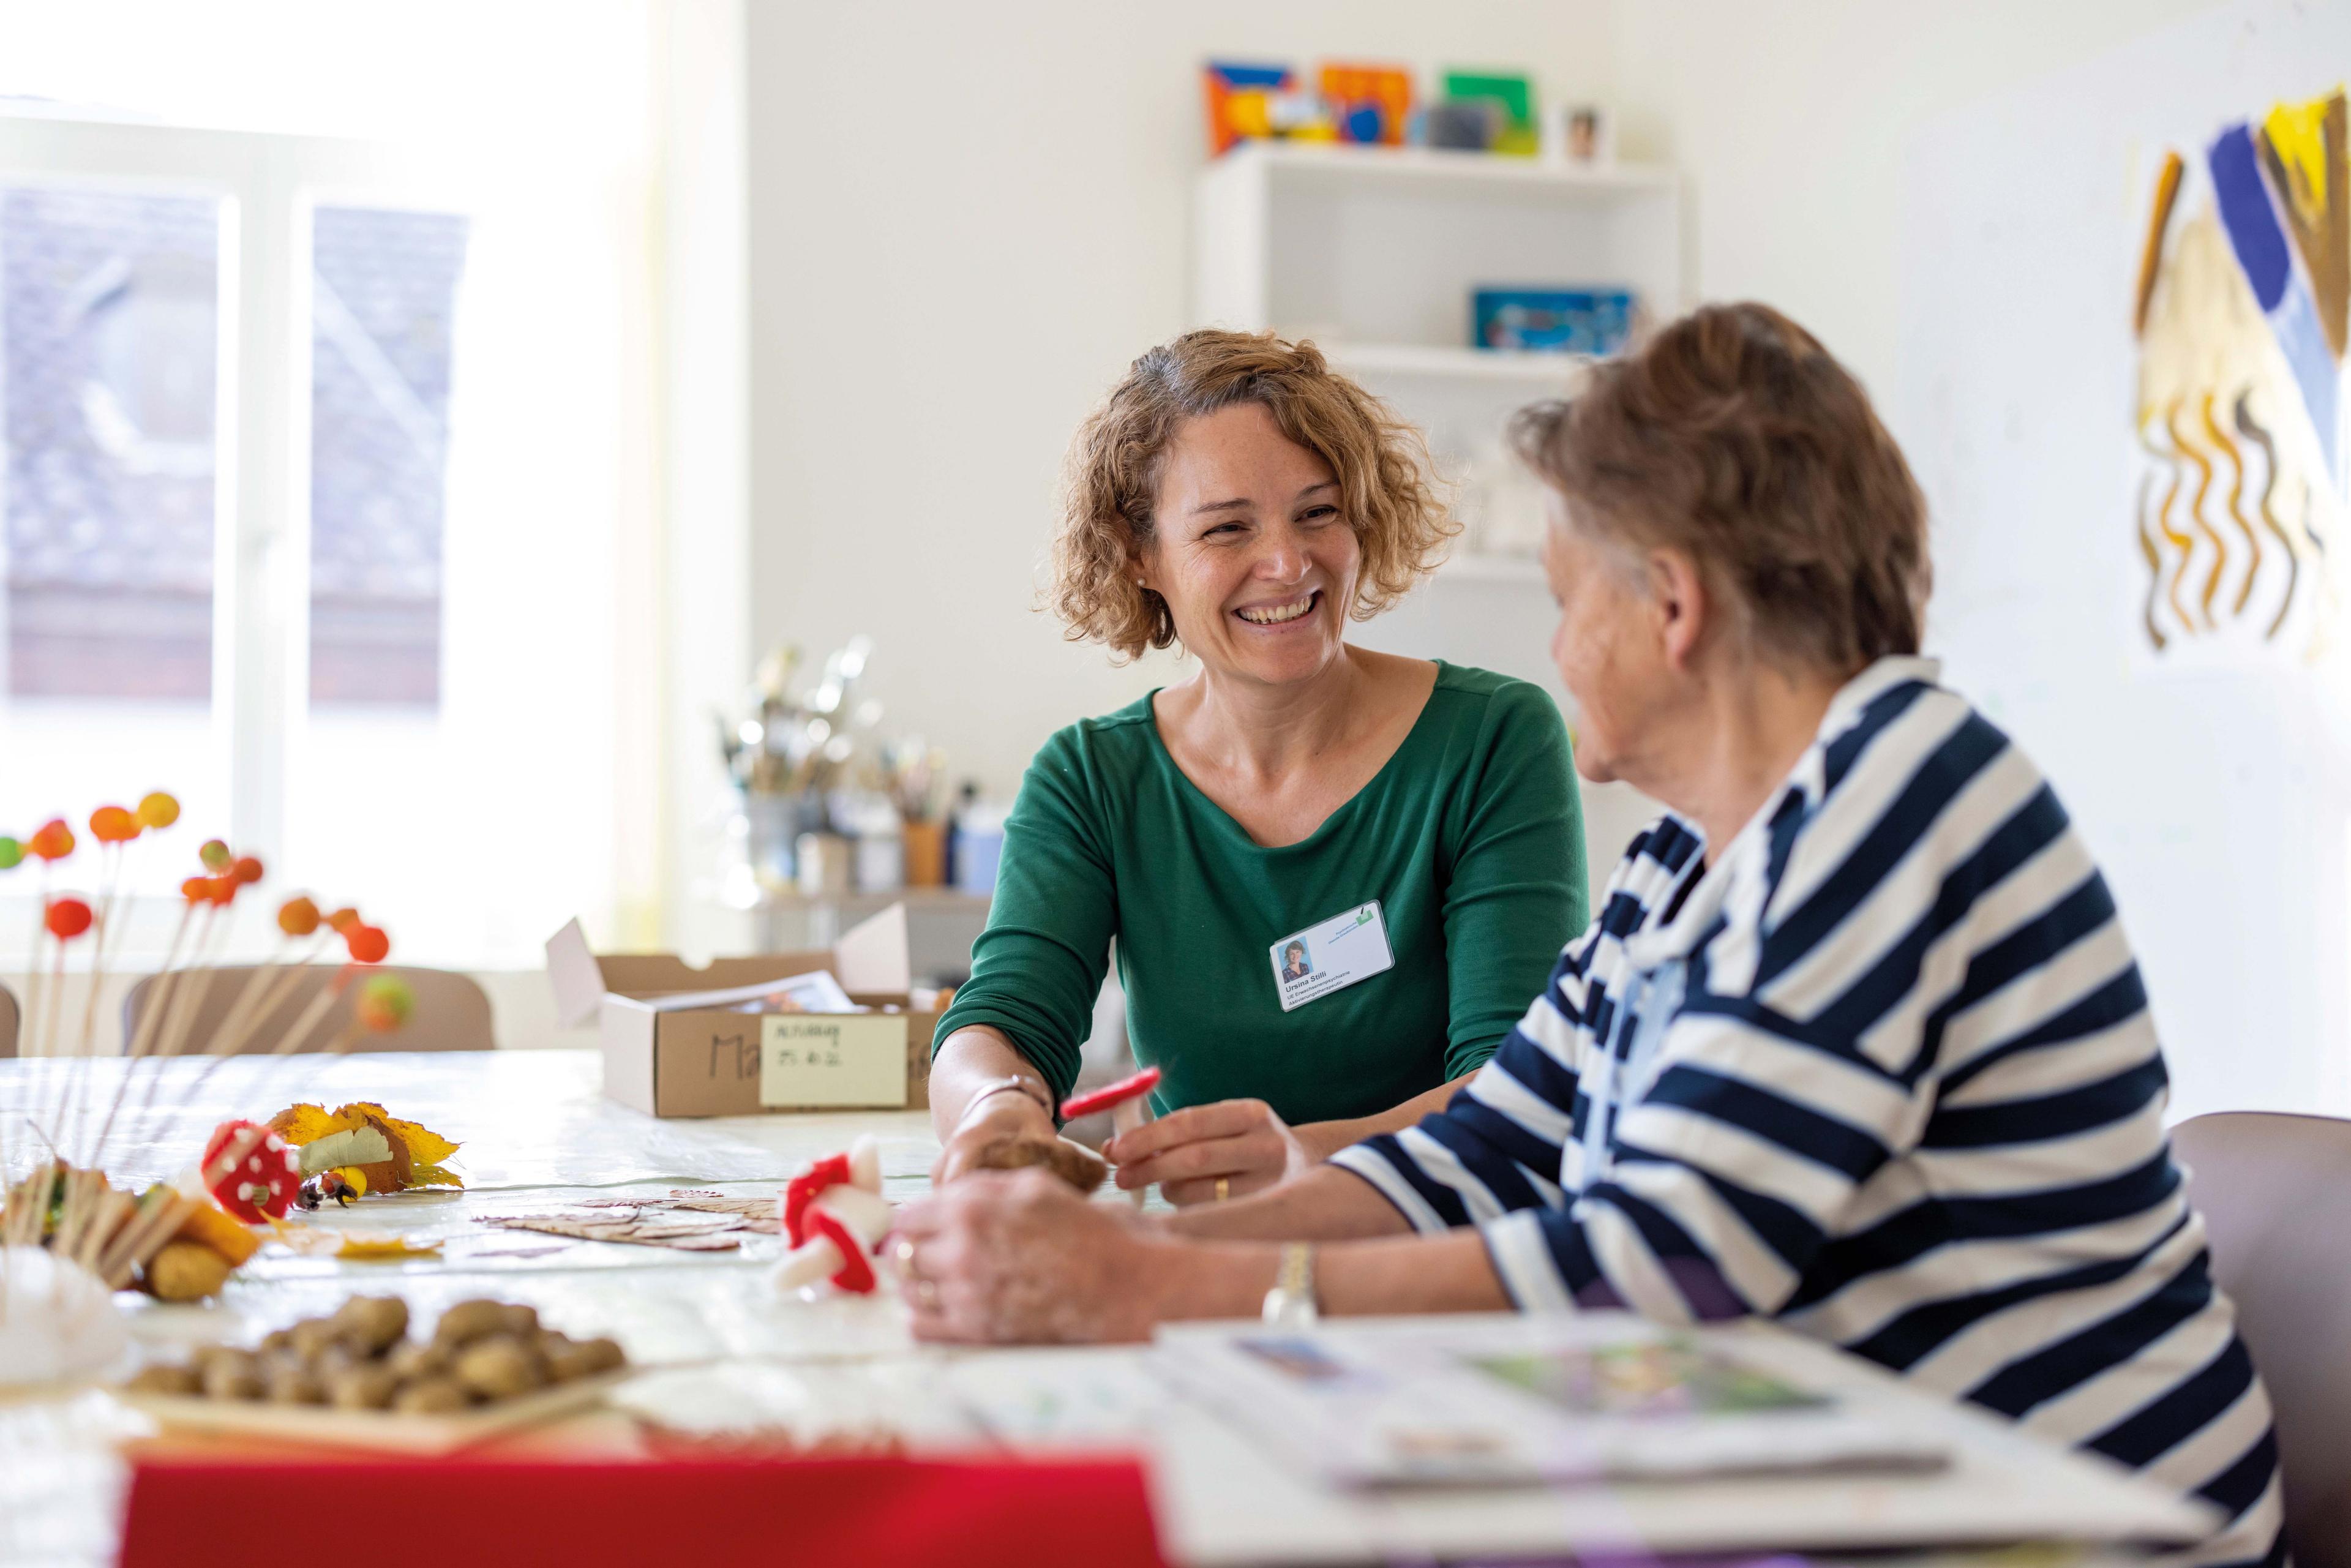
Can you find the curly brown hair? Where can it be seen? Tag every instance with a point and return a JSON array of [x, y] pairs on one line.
[[1735, 436], [1112, 481]]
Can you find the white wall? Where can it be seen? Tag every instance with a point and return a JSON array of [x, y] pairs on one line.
[[965, 221], [1949, 195]]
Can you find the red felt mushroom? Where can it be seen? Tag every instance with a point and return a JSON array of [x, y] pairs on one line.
[[252, 1171]]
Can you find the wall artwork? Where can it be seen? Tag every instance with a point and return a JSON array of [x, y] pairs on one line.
[[2244, 281]]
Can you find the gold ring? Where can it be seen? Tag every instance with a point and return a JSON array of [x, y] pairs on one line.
[[1224, 1188]]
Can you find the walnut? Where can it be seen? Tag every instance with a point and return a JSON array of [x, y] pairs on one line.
[[498, 1367]]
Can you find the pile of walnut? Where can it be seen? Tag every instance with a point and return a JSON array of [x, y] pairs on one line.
[[362, 1359]]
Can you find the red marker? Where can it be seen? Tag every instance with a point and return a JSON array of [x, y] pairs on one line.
[[1110, 1094]]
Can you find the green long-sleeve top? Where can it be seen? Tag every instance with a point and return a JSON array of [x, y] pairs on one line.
[[1470, 839]]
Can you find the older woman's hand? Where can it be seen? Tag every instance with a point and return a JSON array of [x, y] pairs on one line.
[[1011, 1132], [1186, 1152], [1020, 1258]]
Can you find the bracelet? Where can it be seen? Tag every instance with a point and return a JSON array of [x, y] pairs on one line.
[[1033, 1088]]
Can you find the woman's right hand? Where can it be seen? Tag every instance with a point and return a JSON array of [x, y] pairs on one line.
[[1009, 1131]]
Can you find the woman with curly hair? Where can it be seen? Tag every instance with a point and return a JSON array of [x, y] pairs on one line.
[[1333, 876]]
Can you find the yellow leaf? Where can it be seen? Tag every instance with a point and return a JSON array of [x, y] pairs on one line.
[[367, 1249], [299, 1124], [434, 1176], [425, 1146]]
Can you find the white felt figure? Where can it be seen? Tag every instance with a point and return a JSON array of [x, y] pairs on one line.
[[835, 1216]]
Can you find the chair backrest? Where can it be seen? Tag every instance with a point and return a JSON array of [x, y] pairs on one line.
[[12, 1019], [2274, 1190], [453, 1013]]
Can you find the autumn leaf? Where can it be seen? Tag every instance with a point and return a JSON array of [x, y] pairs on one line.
[[299, 1124], [384, 1249], [358, 1145], [425, 1146], [372, 1149]]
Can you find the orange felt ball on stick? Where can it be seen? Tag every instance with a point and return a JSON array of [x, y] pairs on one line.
[[53, 841], [157, 809], [66, 918], [367, 944], [247, 870], [297, 917], [113, 825], [196, 889], [343, 922]]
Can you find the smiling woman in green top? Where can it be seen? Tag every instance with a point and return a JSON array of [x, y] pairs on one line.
[[1334, 875]]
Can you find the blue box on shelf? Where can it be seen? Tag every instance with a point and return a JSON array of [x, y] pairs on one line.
[[1552, 320]]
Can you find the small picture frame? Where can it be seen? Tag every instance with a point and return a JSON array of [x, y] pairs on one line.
[[1587, 135]]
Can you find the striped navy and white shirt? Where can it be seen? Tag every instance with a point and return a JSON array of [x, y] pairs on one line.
[[1884, 1073]]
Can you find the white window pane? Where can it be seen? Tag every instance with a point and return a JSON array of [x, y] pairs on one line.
[[385, 287], [108, 335], [109, 343]]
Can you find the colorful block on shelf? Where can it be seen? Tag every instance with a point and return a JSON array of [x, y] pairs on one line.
[[1253, 103], [1369, 104], [1513, 95], [1594, 321]]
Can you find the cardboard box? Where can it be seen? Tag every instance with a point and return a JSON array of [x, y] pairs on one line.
[[685, 1042]]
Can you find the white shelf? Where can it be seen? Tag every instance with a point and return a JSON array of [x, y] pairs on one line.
[[1438, 166], [1536, 371]]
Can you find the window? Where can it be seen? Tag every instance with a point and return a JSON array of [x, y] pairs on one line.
[[383, 289], [317, 486], [110, 324]]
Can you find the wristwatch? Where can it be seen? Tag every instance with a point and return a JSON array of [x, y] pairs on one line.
[[1290, 1303]]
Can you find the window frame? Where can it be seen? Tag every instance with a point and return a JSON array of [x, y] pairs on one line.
[[268, 185]]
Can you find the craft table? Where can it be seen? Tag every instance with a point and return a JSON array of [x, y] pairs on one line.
[[724, 1356]]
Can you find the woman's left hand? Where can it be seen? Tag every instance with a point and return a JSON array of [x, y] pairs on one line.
[[1020, 1258], [1241, 1142]]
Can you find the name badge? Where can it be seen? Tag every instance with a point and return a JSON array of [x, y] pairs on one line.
[[1310, 965]]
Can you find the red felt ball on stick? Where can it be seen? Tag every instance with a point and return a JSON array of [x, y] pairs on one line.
[[246, 870], [368, 943], [66, 918]]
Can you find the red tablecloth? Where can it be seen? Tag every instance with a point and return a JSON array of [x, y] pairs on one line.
[[452, 1513]]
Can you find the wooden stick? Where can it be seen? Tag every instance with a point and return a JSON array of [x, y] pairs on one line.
[[161, 1213], [144, 1033], [282, 988]]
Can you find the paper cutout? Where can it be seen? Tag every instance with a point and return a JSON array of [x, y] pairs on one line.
[[636, 1232], [2242, 285], [719, 1225], [2301, 150]]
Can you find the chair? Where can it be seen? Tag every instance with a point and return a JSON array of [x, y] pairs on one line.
[[2274, 1189], [453, 1013], [12, 1019]]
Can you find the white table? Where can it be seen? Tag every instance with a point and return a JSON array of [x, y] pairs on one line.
[[724, 1351]]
